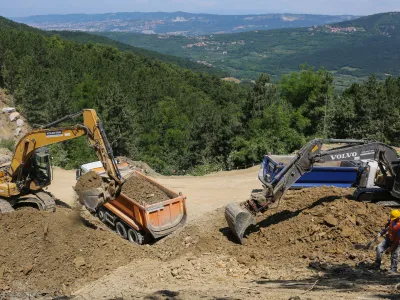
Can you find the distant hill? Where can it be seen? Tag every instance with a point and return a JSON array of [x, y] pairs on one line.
[[378, 23], [177, 23], [350, 50], [83, 37]]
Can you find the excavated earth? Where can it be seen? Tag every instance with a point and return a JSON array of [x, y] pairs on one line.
[[308, 239], [311, 235], [55, 253], [311, 225], [88, 181]]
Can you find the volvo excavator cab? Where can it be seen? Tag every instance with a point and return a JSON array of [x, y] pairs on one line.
[[41, 162]]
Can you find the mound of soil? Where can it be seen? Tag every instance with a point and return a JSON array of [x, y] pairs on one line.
[[317, 224], [56, 253], [141, 190]]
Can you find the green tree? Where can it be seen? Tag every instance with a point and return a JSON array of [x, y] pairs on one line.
[[309, 92]]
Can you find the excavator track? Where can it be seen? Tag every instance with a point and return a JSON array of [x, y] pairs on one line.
[[378, 196], [5, 206], [47, 201]]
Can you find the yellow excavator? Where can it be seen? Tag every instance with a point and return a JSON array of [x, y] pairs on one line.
[[22, 181]]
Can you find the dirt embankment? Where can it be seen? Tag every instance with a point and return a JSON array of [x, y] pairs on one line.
[[310, 225], [56, 253], [309, 239], [5, 156], [9, 130]]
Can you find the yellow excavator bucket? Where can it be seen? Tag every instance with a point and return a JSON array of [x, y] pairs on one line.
[[239, 219]]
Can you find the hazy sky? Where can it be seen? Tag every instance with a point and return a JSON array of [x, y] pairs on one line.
[[18, 8]]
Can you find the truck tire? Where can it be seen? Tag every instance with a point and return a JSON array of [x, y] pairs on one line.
[[135, 236], [101, 215], [121, 230]]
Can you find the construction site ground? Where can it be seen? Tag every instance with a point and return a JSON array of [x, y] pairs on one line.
[[301, 249]]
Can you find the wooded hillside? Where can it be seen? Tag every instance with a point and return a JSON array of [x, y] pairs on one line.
[[181, 121]]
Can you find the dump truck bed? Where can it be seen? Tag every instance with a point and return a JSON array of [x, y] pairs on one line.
[[158, 219]]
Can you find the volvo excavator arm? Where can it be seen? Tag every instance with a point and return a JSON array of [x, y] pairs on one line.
[[19, 176], [241, 216]]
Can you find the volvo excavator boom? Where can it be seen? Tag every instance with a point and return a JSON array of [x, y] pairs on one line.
[[241, 216], [30, 170]]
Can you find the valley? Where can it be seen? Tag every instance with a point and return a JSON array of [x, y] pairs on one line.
[[350, 50]]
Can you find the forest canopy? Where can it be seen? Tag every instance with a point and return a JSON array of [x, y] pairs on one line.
[[178, 120]]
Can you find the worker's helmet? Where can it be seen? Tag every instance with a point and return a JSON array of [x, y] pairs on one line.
[[394, 214]]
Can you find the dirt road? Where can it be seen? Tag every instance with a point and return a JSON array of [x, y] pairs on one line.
[[204, 194], [61, 186], [207, 193]]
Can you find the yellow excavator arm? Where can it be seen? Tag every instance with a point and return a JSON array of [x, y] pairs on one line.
[[19, 178]]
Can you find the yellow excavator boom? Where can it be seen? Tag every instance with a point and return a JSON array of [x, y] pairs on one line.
[[18, 178]]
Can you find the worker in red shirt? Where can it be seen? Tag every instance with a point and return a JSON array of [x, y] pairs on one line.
[[391, 242]]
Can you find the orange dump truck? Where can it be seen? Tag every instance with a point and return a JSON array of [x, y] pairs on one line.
[[137, 221]]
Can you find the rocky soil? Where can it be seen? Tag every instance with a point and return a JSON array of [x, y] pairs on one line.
[[11, 130], [55, 253], [308, 239]]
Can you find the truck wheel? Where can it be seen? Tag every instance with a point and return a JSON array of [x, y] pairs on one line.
[[135, 236], [102, 215], [121, 230]]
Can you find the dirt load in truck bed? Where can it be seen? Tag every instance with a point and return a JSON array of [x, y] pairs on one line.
[[135, 187], [140, 189]]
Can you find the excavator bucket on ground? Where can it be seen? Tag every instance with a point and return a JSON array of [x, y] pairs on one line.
[[239, 219]]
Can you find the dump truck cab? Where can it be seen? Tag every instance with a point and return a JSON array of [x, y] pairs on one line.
[[97, 167]]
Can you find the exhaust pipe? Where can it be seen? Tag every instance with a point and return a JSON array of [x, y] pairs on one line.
[[238, 219]]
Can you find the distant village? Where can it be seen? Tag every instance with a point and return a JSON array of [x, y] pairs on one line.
[[332, 29]]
